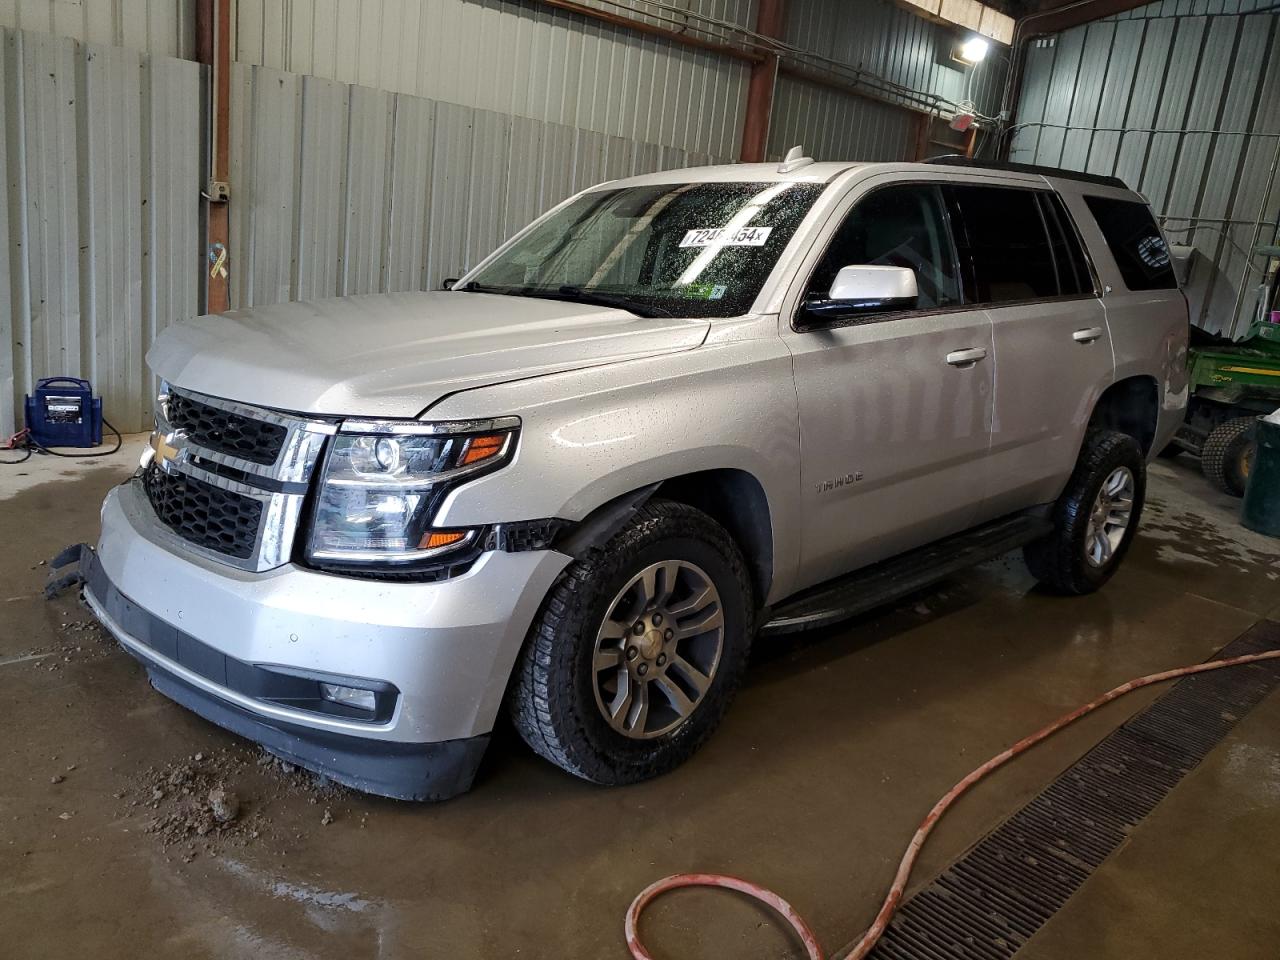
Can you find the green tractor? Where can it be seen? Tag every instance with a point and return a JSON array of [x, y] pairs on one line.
[[1232, 384]]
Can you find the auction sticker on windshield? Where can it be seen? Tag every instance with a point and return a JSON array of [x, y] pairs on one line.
[[743, 237]]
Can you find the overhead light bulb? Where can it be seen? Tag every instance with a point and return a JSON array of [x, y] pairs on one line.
[[973, 50]]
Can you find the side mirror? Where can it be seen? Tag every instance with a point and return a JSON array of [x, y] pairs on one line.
[[861, 290]]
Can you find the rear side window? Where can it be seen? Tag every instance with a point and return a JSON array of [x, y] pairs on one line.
[[1135, 242], [1003, 245], [1074, 275]]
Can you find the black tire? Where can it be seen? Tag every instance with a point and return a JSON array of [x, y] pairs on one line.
[[553, 698], [1227, 456], [1059, 561]]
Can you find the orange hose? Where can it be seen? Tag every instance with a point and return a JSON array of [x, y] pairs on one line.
[[899, 885]]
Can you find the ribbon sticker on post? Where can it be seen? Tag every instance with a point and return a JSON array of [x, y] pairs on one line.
[[218, 257]]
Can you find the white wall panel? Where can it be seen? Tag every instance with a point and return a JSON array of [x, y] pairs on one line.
[[343, 189], [265, 119], [162, 27], [410, 197], [318, 239], [99, 215], [12, 304], [47, 156], [367, 213], [174, 266], [513, 57], [110, 144]]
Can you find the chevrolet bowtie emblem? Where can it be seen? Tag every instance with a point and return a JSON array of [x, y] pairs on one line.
[[165, 452]]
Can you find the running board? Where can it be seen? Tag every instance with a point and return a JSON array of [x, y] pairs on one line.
[[898, 576]]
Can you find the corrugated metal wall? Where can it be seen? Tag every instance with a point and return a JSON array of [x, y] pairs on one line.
[[551, 66], [890, 42], [1181, 100], [836, 126], [881, 37], [512, 57], [343, 189], [99, 215], [164, 28]]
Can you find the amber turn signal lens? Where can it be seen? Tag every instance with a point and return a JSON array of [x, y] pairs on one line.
[[482, 448], [441, 538]]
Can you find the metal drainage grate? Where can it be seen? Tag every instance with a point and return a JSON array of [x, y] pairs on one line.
[[988, 903]]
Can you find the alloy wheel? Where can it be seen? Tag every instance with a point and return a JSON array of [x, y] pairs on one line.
[[657, 652], [1109, 518]]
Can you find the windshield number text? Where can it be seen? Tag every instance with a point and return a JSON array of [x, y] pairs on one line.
[[743, 237]]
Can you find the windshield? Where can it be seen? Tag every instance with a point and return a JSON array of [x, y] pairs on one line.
[[686, 250]]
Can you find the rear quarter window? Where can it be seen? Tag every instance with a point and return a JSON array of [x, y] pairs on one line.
[[1135, 242]]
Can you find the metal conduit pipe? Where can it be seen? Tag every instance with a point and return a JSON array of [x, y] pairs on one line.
[[931, 106], [1124, 130], [1236, 221], [640, 26]]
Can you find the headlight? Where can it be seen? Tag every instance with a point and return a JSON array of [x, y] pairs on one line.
[[384, 480]]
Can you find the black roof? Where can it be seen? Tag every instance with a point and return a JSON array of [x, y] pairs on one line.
[[955, 160]]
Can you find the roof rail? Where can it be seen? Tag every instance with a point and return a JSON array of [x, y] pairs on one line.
[[954, 160]]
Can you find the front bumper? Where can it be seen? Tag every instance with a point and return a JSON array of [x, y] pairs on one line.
[[219, 640]]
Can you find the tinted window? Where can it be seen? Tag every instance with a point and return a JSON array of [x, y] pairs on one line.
[[1074, 276], [1135, 242], [1003, 245], [899, 227]]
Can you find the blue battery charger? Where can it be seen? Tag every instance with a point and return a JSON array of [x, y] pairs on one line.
[[63, 412]]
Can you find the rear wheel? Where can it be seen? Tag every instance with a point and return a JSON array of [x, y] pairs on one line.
[[638, 649], [1228, 453], [1095, 518]]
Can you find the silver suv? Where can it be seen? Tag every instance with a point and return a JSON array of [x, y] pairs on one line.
[[676, 413]]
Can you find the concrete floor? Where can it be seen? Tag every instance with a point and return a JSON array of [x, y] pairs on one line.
[[834, 750]]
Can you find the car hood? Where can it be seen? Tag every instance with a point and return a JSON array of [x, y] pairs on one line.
[[394, 355]]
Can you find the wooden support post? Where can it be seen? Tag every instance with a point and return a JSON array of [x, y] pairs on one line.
[[213, 47], [764, 79]]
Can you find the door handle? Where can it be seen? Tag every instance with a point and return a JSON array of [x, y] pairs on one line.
[[966, 358], [1087, 335]]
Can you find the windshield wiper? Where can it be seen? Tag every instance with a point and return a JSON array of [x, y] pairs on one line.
[[578, 295], [474, 287], [573, 295]]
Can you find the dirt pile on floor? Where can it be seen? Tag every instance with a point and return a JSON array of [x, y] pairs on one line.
[[76, 641], [229, 796]]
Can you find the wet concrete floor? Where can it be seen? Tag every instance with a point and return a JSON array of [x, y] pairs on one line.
[[834, 750]]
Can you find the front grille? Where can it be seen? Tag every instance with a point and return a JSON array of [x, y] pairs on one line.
[[203, 514], [226, 432]]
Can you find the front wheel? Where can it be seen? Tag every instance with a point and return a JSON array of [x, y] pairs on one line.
[[1094, 519], [638, 649]]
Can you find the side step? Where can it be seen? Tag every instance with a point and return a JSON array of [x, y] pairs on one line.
[[898, 576]]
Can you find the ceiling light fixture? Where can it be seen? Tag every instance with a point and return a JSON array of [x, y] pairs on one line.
[[973, 50]]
